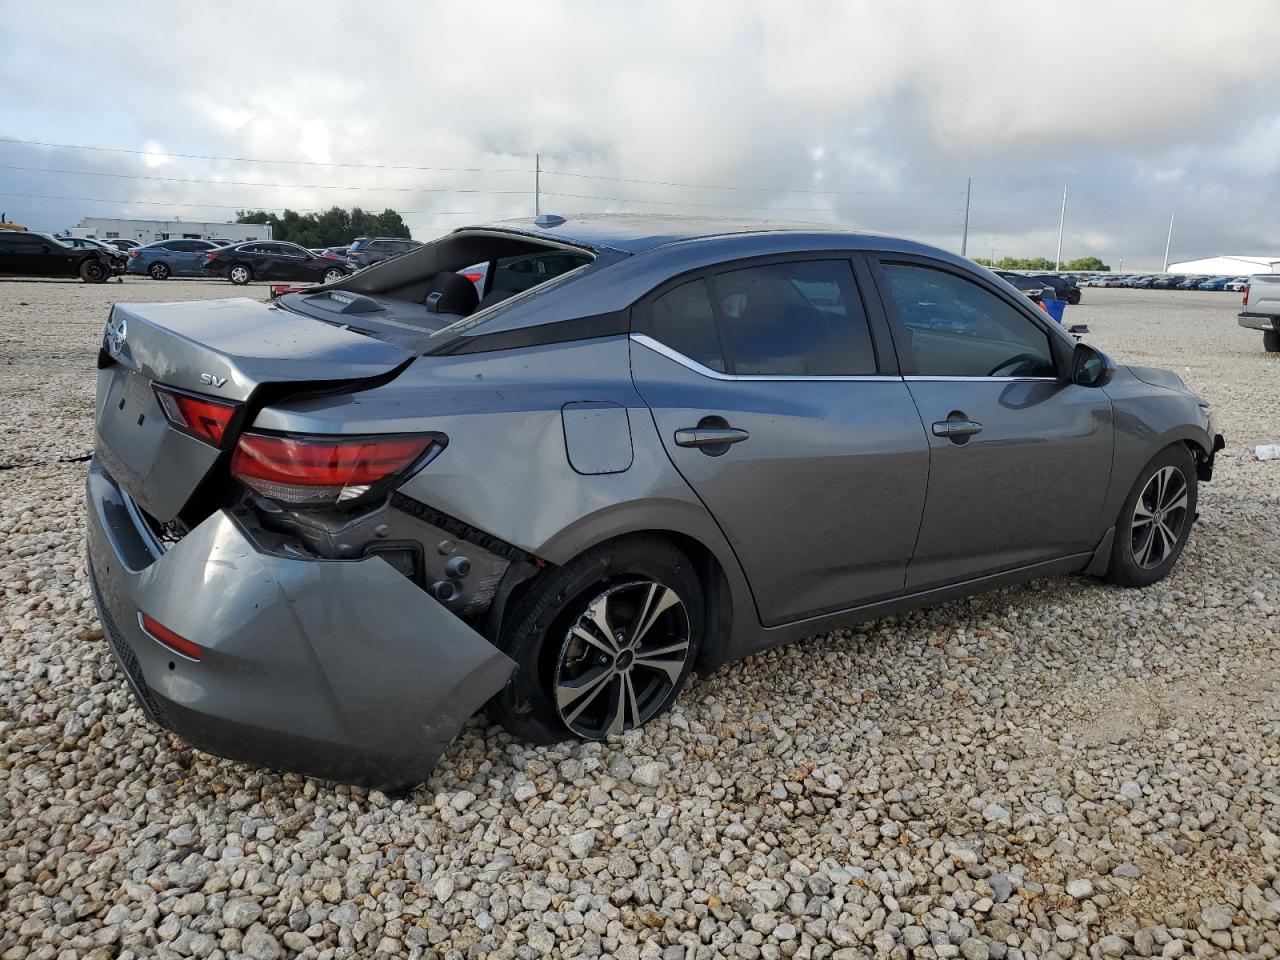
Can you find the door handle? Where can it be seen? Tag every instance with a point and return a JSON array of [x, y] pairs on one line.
[[709, 436], [956, 428]]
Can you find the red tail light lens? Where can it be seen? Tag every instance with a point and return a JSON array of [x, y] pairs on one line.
[[321, 471], [134, 253], [174, 641], [201, 417], [1245, 301], [211, 255]]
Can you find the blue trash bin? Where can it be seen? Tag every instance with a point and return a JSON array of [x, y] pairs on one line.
[[1055, 308]]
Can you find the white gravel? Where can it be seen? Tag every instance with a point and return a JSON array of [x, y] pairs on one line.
[[1067, 769]]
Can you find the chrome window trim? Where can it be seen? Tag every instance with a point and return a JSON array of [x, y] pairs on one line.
[[921, 377], [661, 348]]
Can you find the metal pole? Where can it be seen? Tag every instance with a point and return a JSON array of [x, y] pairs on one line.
[[964, 237], [537, 184], [1167, 243], [1062, 222]]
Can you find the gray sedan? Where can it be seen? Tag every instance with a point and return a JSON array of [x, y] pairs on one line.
[[324, 531]]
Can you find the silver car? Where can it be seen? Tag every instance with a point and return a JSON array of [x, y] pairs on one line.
[[324, 531]]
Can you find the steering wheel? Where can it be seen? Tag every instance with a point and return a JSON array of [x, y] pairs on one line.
[[1009, 367]]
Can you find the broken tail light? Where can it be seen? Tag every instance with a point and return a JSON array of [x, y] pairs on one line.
[[201, 417], [324, 471]]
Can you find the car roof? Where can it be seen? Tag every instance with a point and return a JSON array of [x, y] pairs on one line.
[[635, 233]]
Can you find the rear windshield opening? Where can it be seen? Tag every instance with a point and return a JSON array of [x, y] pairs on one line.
[[439, 284]]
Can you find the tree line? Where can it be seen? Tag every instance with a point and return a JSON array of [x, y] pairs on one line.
[[334, 227], [1041, 264]]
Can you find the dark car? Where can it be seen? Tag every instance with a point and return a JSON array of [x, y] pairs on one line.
[[272, 260], [1190, 283], [26, 254], [170, 258], [1143, 283], [1166, 282], [322, 532], [365, 251], [123, 244], [1032, 288], [119, 259], [1064, 289]]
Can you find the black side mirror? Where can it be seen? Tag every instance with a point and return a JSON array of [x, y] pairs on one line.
[[1091, 367]]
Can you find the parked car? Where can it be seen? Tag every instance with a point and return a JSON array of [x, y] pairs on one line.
[[1216, 283], [118, 258], [1260, 309], [366, 251], [27, 254], [1063, 288], [1189, 283], [1031, 288], [335, 253], [221, 241], [1167, 282], [702, 441], [1142, 283], [170, 258], [123, 244], [1237, 284], [272, 260]]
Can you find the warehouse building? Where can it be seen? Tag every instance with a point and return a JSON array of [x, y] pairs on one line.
[[148, 231], [1228, 266]]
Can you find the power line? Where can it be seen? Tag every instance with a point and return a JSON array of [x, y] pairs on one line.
[[721, 186], [736, 206], [231, 206], [255, 183]]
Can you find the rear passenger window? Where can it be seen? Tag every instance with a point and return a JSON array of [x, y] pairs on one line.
[[794, 319], [683, 320]]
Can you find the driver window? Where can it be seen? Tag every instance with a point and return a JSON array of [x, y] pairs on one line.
[[958, 329]]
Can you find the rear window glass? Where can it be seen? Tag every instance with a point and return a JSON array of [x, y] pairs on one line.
[[517, 274]]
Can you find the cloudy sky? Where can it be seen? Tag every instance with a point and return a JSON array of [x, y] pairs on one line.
[[866, 114]]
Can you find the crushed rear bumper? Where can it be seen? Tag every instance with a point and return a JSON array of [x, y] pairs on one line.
[[343, 670]]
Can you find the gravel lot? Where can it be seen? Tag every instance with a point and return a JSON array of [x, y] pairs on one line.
[[1064, 769]]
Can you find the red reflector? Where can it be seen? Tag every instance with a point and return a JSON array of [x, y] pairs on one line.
[[474, 277], [158, 631], [313, 470], [134, 253]]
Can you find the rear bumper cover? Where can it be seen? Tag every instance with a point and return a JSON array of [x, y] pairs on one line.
[[343, 670], [1258, 321]]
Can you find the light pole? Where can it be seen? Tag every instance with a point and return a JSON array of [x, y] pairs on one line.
[[964, 237], [1062, 222], [1167, 243]]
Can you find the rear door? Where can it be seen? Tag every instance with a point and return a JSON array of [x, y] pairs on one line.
[[789, 419], [1020, 458]]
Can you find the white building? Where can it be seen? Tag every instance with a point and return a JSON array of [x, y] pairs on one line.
[[148, 231], [1228, 266]]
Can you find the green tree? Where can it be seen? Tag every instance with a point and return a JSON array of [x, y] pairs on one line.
[[1086, 263], [334, 227]]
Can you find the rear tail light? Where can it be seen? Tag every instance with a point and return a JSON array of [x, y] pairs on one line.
[[322, 471], [1245, 301], [174, 641], [201, 417], [134, 253], [211, 255]]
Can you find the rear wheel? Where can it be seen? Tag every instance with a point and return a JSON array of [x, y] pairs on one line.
[[158, 271], [603, 644], [91, 271], [333, 275], [240, 274], [1156, 519], [1271, 341]]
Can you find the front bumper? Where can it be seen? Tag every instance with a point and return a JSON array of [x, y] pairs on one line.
[[343, 670], [1258, 321]]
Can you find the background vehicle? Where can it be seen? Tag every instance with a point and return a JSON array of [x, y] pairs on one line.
[[334, 253], [271, 260], [1217, 283], [365, 251], [1237, 284], [123, 244], [170, 258], [1260, 309], [1165, 282], [1032, 288], [1063, 288], [26, 254], [1189, 283], [119, 259], [684, 441]]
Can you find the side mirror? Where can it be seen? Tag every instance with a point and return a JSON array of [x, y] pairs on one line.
[[1091, 367]]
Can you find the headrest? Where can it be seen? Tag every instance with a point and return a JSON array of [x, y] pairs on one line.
[[450, 292]]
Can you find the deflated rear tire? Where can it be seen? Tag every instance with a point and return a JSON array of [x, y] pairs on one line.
[[603, 644], [1156, 519]]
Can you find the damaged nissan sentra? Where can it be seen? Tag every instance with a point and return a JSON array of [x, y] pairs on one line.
[[325, 531]]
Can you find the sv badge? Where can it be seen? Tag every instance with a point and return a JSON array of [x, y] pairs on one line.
[[213, 381]]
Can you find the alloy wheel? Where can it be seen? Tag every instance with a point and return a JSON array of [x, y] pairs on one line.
[[239, 274], [1159, 517], [333, 276], [621, 659]]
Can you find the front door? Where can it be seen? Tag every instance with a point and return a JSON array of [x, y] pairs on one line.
[[765, 388], [1020, 457]]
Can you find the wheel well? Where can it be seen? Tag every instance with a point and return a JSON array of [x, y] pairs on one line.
[[1202, 458], [715, 590]]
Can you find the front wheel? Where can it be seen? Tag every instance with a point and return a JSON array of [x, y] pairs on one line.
[[1156, 519], [240, 274], [333, 275], [603, 644], [91, 271]]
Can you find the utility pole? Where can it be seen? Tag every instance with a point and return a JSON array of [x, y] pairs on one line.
[[964, 237], [1168, 243], [1062, 222], [537, 184]]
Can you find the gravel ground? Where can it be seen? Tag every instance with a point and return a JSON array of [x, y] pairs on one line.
[[1063, 769]]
